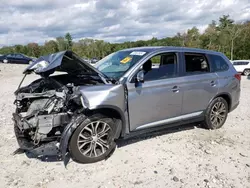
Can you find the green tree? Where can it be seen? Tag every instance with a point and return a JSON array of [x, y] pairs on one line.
[[68, 40], [50, 47], [61, 43], [33, 50], [225, 22]]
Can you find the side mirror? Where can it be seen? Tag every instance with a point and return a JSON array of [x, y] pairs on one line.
[[140, 76]]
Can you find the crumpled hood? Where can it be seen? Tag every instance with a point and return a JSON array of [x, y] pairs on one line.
[[64, 61]]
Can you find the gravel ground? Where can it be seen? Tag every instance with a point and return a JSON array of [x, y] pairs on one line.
[[187, 157]]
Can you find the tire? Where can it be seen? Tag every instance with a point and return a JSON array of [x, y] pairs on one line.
[[5, 61], [79, 145], [246, 72], [216, 117]]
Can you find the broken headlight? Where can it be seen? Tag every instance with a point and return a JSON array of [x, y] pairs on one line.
[[38, 67]]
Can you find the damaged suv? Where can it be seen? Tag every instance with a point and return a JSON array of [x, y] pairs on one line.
[[84, 109]]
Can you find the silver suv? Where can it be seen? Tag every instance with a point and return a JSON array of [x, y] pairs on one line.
[[83, 109]]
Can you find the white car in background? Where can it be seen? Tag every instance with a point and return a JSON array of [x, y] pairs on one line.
[[242, 66]]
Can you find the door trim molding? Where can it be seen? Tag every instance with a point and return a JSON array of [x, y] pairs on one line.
[[169, 120]]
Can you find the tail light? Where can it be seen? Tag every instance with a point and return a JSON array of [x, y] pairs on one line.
[[238, 76]]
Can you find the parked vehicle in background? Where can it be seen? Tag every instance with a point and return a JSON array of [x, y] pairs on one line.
[[93, 61], [242, 66], [88, 108], [16, 58]]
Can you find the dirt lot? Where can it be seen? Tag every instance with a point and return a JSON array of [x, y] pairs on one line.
[[190, 157]]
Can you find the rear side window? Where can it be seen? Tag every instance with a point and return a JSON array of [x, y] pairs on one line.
[[218, 64], [240, 63], [19, 56], [196, 64]]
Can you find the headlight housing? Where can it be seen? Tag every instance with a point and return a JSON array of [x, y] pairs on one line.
[[38, 67]]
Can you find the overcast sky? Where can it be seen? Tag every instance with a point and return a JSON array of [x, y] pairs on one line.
[[24, 21]]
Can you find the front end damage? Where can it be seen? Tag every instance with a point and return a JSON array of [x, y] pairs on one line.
[[47, 109]]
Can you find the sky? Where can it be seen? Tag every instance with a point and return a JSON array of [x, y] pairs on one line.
[[24, 21]]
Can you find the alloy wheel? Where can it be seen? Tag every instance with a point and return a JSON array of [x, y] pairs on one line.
[[247, 72], [93, 140], [218, 114]]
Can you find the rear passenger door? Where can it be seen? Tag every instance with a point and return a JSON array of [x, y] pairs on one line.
[[20, 59], [199, 84]]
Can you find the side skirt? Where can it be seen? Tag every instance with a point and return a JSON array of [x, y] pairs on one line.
[[141, 132]]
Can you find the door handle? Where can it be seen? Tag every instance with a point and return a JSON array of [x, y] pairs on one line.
[[175, 89], [213, 84]]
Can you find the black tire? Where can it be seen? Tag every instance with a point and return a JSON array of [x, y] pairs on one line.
[[77, 153], [209, 121], [246, 72]]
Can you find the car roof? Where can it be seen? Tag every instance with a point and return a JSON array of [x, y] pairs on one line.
[[170, 48]]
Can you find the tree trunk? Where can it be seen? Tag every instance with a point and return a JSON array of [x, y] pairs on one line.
[[232, 49], [210, 43]]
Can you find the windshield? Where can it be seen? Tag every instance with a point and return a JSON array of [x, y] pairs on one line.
[[117, 63]]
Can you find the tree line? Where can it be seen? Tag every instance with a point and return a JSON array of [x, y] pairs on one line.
[[224, 35]]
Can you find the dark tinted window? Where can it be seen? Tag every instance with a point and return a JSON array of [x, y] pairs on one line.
[[218, 63], [10, 55], [240, 63], [196, 64], [19, 56], [160, 67]]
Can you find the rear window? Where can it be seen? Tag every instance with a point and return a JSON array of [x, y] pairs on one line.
[[218, 64], [240, 63]]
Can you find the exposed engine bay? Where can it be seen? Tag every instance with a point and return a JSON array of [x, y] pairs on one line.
[[46, 106]]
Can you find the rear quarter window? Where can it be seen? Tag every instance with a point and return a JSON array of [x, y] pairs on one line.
[[218, 64]]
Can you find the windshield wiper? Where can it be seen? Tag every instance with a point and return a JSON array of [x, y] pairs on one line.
[[109, 79]]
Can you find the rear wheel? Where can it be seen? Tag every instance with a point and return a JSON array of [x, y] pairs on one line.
[[246, 72], [216, 113], [5, 61], [93, 140]]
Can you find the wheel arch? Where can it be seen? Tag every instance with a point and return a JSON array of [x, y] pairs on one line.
[[225, 96], [71, 127], [114, 112]]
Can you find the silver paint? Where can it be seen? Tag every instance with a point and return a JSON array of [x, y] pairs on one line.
[[170, 120]]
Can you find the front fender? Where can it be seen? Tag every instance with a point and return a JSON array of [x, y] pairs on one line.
[[66, 135], [71, 127]]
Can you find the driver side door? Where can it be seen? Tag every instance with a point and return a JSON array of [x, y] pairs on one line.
[[158, 100]]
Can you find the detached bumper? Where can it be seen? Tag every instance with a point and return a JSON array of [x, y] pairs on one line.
[[26, 144], [22, 140]]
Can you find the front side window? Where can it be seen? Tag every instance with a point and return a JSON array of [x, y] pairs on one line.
[[10, 55], [218, 64], [161, 66], [196, 64], [117, 63]]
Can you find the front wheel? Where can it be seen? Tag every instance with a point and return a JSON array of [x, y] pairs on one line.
[[216, 113], [93, 140]]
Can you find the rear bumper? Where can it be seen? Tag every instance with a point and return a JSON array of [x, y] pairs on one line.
[[234, 107]]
